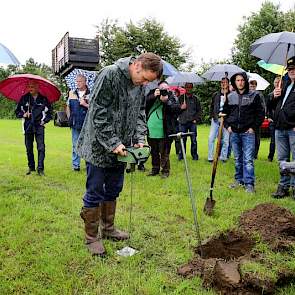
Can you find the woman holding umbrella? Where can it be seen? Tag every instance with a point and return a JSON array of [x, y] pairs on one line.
[[36, 111]]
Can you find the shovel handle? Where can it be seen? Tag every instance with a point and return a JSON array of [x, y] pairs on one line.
[[180, 134], [216, 156]]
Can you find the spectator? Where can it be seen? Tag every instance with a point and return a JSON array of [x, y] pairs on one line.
[[162, 109], [253, 87], [270, 109], [37, 111], [244, 114], [190, 116], [284, 118], [217, 104], [77, 107]]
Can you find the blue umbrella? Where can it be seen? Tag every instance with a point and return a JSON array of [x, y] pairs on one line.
[[168, 69], [71, 78], [7, 57]]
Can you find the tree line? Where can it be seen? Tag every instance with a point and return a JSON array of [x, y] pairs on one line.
[[117, 41]]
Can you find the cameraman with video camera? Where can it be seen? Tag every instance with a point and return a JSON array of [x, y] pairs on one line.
[[162, 109]]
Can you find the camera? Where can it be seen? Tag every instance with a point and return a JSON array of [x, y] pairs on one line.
[[163, 92]]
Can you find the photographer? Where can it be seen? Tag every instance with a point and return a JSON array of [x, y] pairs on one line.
[[162, 109]]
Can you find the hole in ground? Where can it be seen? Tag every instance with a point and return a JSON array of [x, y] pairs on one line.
[[227, 246]]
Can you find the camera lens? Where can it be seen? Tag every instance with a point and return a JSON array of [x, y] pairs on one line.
[[163, 92]]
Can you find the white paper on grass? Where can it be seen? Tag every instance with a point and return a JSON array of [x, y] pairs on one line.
[[127, 251]]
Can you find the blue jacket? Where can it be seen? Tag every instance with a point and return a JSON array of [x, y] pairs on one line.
[[77, 112]]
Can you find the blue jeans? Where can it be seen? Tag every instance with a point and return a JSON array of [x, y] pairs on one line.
[[285, 143], [225, 141], [243, 145], [190, 127], [75, 157], [103, 184]]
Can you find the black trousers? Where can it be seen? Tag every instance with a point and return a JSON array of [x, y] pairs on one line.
[[257, 142], [38, 134], [272, 144], [160, 151]]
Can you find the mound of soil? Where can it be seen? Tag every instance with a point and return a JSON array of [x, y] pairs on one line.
[[275, 225], [219, 259]]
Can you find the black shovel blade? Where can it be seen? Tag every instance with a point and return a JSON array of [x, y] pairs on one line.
[[209, 206]]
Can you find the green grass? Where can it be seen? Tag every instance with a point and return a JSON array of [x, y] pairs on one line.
[[41, 233]]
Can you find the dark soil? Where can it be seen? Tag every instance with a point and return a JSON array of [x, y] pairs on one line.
[[275, 225], [218, 261]]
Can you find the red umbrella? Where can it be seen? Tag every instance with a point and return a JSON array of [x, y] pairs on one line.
[[180, 89], [14, 87]]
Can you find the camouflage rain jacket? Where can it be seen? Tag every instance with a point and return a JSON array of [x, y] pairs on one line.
[[116, 115]]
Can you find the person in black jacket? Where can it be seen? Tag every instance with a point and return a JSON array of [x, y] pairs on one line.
[[253, 87], [36, 111], [284, 118], [77, 108], [271, 104], [162, 109], [244, 114], [188, 119]]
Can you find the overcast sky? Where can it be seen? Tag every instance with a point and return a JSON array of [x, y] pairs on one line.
[[32, 28]]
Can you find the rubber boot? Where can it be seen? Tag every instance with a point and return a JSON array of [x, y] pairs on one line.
[[92, 219], [281, 192], [109, 231]]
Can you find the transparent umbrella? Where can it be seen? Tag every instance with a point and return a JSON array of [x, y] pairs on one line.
[[7, 57], [185, 77], [262, 84], [168, 69], [219, 71]]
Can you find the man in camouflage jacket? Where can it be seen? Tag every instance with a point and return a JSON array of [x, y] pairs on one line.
[[115, 119]]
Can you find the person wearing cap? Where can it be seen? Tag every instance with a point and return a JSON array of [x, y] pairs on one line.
[[244, 114], [284, 118]]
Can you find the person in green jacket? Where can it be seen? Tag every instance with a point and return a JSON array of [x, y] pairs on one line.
[[115, 120], [162, 109]]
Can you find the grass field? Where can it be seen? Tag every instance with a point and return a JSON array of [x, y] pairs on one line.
[[41, 233]]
